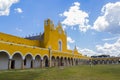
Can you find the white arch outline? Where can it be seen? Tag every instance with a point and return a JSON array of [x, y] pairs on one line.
[[7, 53], [38, 55], [58, 57], [33, 58], [53, 56], [44, 56], [16, 53]]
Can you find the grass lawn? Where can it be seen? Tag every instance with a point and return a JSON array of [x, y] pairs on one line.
[[83, 72]]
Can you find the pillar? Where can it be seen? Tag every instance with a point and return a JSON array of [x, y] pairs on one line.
[[41, 64], [9, 64], [22, 66]]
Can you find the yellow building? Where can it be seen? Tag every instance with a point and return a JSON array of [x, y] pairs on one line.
[[45, 50]]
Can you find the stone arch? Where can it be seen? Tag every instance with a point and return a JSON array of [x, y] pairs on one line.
[[68, 61], [61, 61], [37, 61], [100, 61], [57, 61], [53, 61], [16, 62], [65, 61], [4, 60], [72, 61], [76, 61], [28, 61], [45, 61]]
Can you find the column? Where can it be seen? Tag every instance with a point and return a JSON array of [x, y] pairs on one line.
[[9, 64], [22, 66], [41, 64]]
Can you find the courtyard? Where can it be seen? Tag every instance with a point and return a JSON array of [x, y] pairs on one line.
[[81, 72]]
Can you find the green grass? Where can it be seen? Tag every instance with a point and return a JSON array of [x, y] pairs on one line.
[[83, 72]]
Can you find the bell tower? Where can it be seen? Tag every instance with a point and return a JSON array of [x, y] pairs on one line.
[[48, 27]]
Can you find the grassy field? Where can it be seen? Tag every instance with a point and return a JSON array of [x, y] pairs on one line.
[[83, 72]]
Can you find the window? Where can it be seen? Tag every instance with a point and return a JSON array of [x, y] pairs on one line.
[[60, 45]]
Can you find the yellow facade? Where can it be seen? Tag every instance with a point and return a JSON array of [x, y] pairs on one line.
[[52, 44]]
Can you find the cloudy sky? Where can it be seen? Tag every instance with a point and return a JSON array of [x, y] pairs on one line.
[[92, 25]]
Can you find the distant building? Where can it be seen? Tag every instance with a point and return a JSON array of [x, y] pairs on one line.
[[101, 56], [105, 59]]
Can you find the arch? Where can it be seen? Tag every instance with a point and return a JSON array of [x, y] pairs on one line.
[[16, 62], [68, 61], [45, 61], [6, 53], [79, 61], [4, 60], [28, 54], [76, 61], [28, 61], [53, 61], [37, 62], [72, 61], [19, 54], [61, 61], [57, 61], [44, 56], [65, 61]]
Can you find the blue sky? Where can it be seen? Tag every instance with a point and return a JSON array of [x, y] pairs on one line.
[[92, 25]]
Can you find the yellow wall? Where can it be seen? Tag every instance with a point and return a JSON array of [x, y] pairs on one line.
[[18, 40], [52, 35]]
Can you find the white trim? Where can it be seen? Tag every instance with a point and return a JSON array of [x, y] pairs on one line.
[[16, 53], [53, 56], [38, 55], [29, 54], [7, 53], [44, 56], [23, 45]]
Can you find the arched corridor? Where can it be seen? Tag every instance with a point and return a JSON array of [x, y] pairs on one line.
[[53, 61], [28, 62], [68, 62], [72, 61], [45, 61], [4, 59], [37, 61], [65, 62], [61, 61], [16, 62], [57, 61]]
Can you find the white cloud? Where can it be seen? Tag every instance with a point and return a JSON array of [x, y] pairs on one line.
[[109, 39], [76, 17], [5, 6], [19, 30], [19, 10], [70, 40], [87, 52], [109, 49], [109, 21], [68, 46]]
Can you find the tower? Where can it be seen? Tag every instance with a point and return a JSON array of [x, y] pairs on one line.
[[48, 27]]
